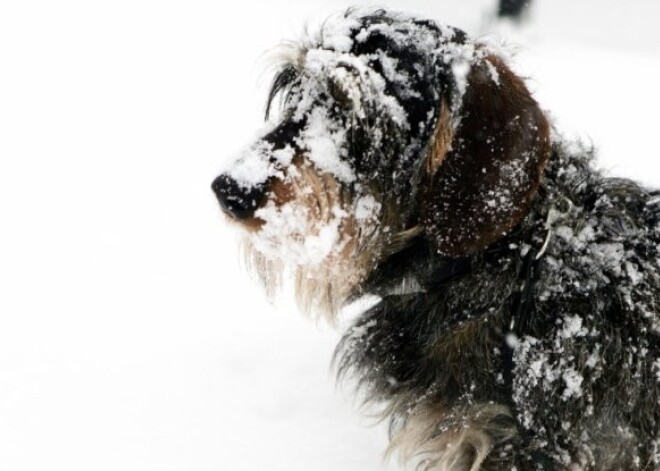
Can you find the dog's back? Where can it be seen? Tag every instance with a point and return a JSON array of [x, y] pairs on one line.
[[574, 291]]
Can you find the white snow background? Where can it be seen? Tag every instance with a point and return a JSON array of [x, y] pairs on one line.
[[130, 336]]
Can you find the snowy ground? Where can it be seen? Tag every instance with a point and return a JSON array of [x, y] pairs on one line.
[[130, 337]]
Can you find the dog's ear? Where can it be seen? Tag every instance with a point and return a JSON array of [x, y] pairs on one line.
[[481, 178]]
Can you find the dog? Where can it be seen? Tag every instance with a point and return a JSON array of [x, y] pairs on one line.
[[516, 324]]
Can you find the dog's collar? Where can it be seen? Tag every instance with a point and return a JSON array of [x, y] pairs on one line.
[[452, 268]]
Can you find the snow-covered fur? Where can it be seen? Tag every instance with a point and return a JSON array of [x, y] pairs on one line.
[[517, 323]]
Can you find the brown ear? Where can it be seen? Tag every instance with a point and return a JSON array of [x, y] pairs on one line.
[[483, 185]]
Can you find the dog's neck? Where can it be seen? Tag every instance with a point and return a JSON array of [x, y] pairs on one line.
[[419, 268]]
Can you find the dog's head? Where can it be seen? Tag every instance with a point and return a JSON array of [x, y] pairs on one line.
[[391, 127]]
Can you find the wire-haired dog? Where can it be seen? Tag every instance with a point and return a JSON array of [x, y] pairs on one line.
[[517, 324]]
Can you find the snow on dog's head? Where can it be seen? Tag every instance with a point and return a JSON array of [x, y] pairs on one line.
[[369, 108]]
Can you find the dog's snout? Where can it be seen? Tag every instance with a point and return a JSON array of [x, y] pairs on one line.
[[238, 201]]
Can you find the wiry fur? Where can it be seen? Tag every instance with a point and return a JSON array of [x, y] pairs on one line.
[[517, 326], [454, 333]]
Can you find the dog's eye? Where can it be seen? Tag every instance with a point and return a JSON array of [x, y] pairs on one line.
[[344, 87], [340, 95]]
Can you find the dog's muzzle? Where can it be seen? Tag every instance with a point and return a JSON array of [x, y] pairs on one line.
[[238, 201]]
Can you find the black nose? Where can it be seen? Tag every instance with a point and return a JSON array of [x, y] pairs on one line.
[[236, 200]]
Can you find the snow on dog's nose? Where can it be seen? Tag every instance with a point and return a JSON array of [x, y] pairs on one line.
[[237, 201]]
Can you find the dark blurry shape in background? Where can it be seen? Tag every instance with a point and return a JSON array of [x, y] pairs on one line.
[[513, 8]]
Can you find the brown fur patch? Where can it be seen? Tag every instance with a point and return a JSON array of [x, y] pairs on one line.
[[322, 288], [454, 345], [442, 137], [436, 438]]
